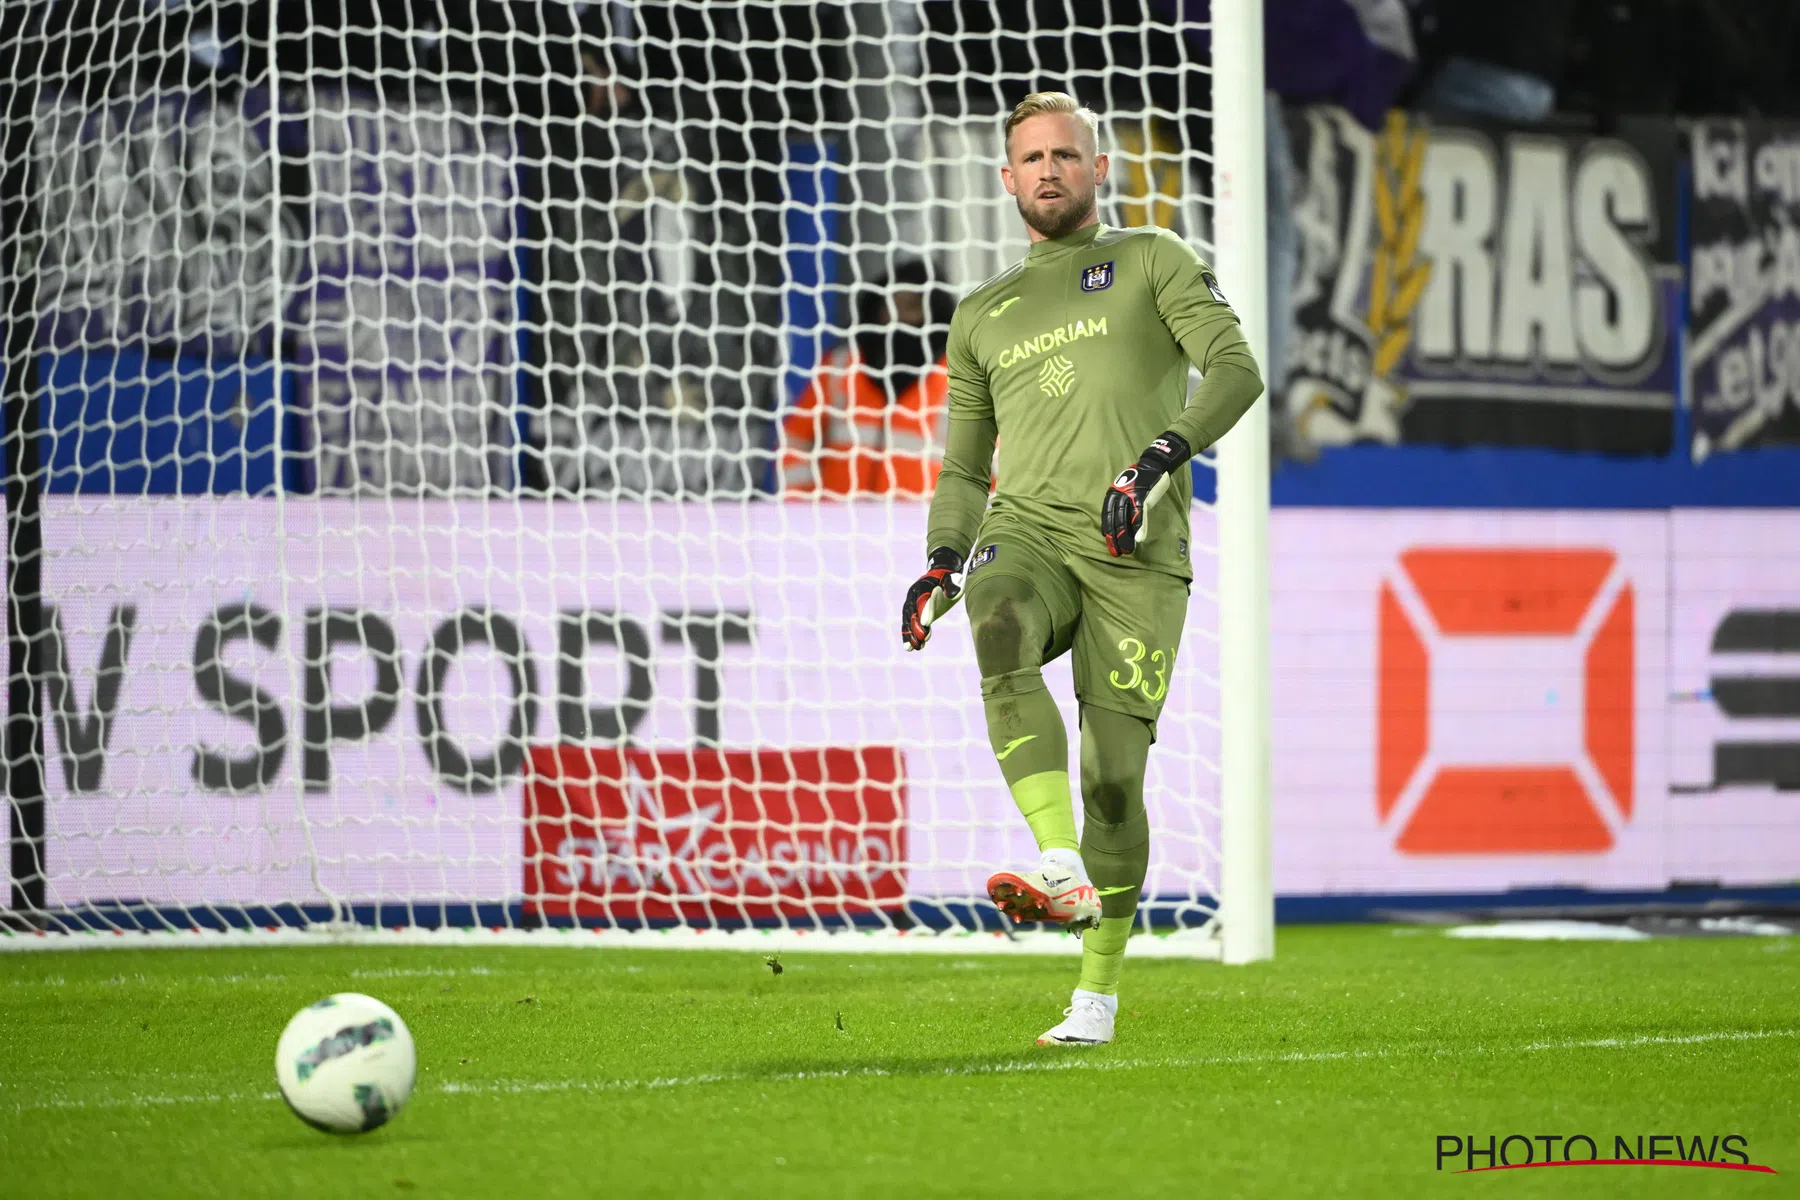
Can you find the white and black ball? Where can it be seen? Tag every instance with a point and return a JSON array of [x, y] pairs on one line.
[[346, 1063]]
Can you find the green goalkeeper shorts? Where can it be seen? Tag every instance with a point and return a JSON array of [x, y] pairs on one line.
[[1122, 625]]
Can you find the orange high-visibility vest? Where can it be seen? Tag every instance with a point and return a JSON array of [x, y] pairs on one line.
[[843, 438]]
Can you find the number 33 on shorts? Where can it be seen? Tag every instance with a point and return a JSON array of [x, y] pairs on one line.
[[1146, 671]]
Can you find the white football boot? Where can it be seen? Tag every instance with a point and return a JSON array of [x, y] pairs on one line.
[[1058, 892], [1088, 1021]]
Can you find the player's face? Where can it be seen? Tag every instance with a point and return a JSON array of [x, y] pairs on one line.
[[1054, 171]]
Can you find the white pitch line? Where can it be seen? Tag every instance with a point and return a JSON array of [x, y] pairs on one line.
[[141, 1100], [1651, 1039], [139, 977], [1063, 1062], [1189, 944]]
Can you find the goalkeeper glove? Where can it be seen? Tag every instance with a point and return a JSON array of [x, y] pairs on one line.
[[916, 613], [1127, 501]]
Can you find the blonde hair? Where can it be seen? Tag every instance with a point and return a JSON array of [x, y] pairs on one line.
[[1040, 103]]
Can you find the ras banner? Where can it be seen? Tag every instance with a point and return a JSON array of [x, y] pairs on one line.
[[1481, 285], [1743, 362]]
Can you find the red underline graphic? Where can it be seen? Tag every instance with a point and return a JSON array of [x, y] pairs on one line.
[[1759, 1168]]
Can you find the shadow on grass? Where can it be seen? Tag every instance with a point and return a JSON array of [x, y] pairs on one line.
[[781, 1070]]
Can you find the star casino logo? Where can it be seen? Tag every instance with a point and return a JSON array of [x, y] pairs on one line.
[[1056, 376]]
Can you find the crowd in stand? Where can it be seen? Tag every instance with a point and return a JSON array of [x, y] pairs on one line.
[[625, 112]]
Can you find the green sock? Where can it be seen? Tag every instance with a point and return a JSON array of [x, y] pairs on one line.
[[1116, 837], [1026, 732], [1048, 806], [1103, 955]]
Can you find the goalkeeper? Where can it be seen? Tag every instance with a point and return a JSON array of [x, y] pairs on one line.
[[1076, 362]]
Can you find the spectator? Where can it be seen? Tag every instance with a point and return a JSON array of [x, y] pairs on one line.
[[1501, 61], [1357, 54], [871, 422]]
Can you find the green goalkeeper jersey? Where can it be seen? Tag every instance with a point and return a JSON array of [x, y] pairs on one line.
[[1075, 359]]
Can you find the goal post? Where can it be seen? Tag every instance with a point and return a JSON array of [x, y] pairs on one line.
[[1240, 173], [462, 475]]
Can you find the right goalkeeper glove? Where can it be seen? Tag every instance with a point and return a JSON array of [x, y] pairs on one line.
[[916, 613], [1128, 501]]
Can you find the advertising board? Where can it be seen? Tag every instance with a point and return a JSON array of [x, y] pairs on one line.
[[250, 701]]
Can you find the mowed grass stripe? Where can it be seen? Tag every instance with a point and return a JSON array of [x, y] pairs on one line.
[[1065, 1060]]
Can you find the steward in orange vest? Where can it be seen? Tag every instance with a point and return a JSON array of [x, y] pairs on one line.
[[872, 421]]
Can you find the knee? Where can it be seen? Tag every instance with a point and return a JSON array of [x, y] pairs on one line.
[[1112, 788], [1114, 750], [999, 638], [1119, 826], [1105, 795]]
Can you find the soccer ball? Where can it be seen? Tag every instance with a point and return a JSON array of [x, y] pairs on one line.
[[345, 1064]]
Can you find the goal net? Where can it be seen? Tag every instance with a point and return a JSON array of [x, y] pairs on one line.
[[464, 460]]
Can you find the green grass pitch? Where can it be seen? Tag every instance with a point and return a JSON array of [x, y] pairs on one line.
[[1329, 1071]]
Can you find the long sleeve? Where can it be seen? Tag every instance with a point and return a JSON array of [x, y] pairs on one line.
[[1196, 314], [961, 497], [960, 500], [1226, 392]]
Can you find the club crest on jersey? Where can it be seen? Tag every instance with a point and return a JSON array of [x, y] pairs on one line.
[[1097, 278], [983, 557]]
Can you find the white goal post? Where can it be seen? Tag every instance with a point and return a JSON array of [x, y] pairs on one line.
[[1240, 175], [462, 469]]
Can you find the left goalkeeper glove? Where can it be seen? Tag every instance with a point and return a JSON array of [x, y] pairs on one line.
[[1128, 499], [917, 610]]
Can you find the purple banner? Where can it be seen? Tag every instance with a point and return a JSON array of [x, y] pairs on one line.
[[158, 219], [1743, 364], [406, 318]]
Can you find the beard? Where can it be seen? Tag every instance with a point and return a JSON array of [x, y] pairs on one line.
[[1057, 225]]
